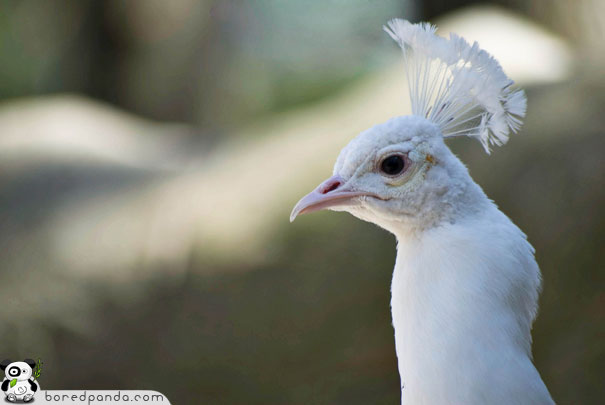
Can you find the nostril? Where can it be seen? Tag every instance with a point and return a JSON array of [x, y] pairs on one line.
[[330, 186]]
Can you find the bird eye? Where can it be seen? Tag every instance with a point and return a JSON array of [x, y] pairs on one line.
[[393, 165]]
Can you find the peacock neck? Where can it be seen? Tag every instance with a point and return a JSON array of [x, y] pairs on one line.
[[459, 312]]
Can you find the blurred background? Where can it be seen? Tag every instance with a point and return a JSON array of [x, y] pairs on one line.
[[150, 153]]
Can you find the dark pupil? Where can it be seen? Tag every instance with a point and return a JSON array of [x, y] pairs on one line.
[[392, 165]]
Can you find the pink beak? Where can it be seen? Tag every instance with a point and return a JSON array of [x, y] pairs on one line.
[[328, 194]]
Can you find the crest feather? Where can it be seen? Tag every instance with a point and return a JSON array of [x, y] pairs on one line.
[[458, 86]]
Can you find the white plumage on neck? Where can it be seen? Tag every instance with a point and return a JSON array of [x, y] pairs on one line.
[[464, 296]]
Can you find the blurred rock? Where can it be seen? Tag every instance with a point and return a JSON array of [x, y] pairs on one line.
[[527, 52]]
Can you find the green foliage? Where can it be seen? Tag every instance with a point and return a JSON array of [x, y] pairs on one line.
[[38, 370], [13, 382]]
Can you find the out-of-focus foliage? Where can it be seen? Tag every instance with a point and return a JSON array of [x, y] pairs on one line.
[[138, 254], [215, 63]]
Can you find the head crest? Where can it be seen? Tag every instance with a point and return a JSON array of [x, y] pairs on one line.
[[459, 87]]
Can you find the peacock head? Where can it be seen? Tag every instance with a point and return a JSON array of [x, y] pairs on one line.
[[393, 174], [401, 171]]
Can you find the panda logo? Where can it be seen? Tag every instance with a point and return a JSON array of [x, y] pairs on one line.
[[18, 384]]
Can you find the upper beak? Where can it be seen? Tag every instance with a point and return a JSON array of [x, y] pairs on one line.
[[328, 194]]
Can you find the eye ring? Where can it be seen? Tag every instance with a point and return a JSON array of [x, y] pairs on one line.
[[393, 165]]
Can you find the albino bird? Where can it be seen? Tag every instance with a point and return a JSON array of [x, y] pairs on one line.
[[465, 284]]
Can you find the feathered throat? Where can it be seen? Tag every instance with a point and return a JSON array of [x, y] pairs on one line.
[[458, 86]]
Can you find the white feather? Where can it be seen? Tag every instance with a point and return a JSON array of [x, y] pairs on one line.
[[458, 86], [463, 301]]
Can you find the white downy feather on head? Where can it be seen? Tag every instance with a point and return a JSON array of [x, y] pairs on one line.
[[459, 87]]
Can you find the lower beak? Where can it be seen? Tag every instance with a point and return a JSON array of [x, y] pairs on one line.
[[328, 194]]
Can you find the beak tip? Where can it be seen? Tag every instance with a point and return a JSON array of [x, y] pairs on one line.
[[293, 215]]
